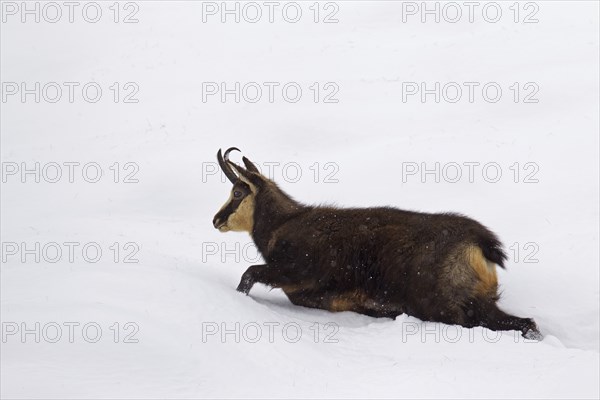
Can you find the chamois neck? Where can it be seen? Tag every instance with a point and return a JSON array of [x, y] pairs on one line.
[[273, 207]]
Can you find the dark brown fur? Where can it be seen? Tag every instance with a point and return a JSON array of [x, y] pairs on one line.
[[380, 262]]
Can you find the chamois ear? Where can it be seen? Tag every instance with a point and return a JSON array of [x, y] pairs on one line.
[[254, 179], [250, 166]]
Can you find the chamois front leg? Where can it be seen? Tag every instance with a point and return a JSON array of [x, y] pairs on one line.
[[250, 278], [261, 273]]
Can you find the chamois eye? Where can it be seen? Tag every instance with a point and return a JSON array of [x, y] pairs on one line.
[[237, 194]]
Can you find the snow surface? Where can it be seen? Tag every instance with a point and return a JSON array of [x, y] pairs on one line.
[[181, 289]]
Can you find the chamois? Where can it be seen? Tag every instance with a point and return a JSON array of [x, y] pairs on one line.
[[381, 262]]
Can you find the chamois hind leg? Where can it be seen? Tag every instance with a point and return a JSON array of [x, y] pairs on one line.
[[482, 309], [491, 317]]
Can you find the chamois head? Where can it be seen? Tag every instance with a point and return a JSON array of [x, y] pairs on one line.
[[237, 214]]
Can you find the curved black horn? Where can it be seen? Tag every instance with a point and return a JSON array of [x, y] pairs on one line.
[[225, 166]]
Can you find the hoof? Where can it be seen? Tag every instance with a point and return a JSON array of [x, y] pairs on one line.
[[532, 334], [243, 289], [245, 285]]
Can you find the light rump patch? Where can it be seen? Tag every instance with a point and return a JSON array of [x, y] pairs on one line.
[[485, 271]]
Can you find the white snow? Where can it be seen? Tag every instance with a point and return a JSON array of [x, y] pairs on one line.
[[183, 287]]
